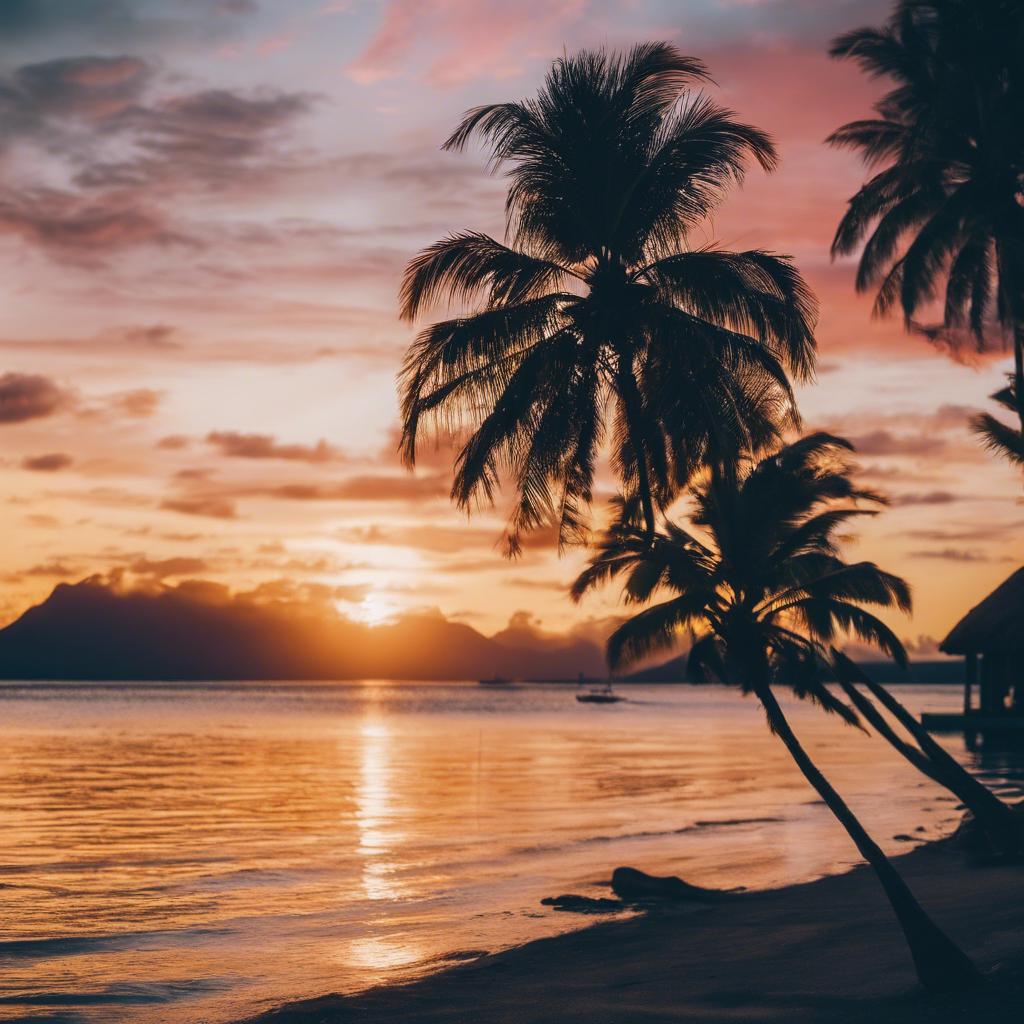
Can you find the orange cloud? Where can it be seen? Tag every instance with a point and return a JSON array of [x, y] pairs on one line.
[[264, 446], [30, 396], [49, 463], [201, 505]]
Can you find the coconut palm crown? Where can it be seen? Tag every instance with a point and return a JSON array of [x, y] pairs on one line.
[[764, 583], [941, 219], [598, 325]]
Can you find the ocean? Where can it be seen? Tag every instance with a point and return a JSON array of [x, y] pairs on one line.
[[202, 852]]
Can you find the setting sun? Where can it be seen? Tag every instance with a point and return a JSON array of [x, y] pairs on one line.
[[374, 610]]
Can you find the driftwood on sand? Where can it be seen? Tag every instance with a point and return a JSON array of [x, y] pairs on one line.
[[637, 888]]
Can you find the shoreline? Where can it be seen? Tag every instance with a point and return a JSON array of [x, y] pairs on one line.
[[822, 952]]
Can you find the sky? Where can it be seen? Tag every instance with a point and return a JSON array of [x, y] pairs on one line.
[[205, 209]]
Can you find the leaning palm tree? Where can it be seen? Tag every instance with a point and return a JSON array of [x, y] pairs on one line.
[[945, 203], [765, 593], [598, 322]]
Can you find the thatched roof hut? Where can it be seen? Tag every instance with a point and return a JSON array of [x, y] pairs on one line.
[[996, 624], [993, 630]]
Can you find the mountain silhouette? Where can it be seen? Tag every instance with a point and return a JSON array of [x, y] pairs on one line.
[[97, 630]]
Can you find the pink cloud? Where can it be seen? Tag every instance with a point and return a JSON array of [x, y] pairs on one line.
[[274, 44], [473, 38]]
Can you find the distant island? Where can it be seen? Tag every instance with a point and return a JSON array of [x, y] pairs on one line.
[[96, 630]]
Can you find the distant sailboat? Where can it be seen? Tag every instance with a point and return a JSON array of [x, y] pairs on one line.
[[600, 694], [495, 681]]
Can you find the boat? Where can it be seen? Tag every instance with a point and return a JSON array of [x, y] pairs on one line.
[[600, 695], [495, 681]]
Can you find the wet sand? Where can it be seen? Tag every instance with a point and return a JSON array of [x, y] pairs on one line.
[[826, 951]]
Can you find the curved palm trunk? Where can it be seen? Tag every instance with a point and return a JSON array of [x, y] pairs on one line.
[[997, 819], [940, 964], [878, 722]]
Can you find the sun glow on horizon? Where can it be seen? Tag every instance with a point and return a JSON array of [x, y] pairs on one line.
[[375, 609]]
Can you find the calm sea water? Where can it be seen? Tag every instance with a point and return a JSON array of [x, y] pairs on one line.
[[202, 853]]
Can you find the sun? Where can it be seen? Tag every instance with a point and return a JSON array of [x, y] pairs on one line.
[[375, 609]]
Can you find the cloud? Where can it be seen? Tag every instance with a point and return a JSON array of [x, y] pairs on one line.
[[158, 337], [952, 415], [164, 567], [173, 442], [264, 446], [365, 487], [986, 531], [531, 583], [952, 555], [884, 442], [120, 21], [138, 403], [30, 396], [201, 505], [466, 39], [423, 537], [89, 88], [49, 463], [42, 520], [926, 498], [54, 569], [125, 153], [207, 139], [78, 229], [27, 17]]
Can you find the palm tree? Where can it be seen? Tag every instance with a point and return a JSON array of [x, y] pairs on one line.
[[999, 437], [765, 595], [946, 203], [598, 312]]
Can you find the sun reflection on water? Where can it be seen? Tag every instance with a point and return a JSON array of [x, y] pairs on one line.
[[378, 954], [373, 814]]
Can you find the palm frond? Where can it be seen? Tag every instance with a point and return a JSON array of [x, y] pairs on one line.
[[469, 264], [1000, 438], [752, 293], [657, 628]]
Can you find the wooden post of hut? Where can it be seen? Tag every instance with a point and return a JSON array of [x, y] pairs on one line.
[[970, 680]]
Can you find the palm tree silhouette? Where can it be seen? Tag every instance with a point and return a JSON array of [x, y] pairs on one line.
[[597, 313], [765, 595], [946, 204], [997, 436]]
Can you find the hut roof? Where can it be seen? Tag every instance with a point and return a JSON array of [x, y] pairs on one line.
[[996, 624]]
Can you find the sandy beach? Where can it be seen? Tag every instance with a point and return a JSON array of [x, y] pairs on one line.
[[827, 951]]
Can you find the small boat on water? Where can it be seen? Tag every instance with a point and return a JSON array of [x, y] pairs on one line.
[[603, 694], [495, 681]]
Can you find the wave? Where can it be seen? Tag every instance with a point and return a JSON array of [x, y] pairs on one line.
[[128, 994], [697, 826], [74, 945]]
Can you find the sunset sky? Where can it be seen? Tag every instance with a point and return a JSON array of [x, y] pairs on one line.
[[205, 209]]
